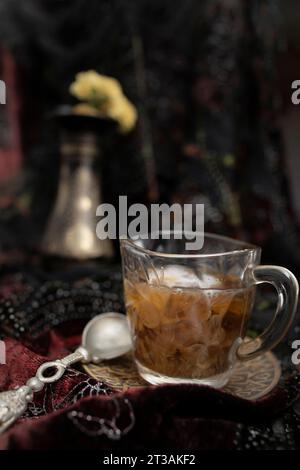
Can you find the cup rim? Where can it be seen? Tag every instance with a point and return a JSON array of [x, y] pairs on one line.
[[245, 246]]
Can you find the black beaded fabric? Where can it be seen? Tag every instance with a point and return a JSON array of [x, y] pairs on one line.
[[282, 433], [34, 303]]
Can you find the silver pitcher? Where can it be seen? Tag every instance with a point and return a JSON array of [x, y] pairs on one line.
[[71, 228]]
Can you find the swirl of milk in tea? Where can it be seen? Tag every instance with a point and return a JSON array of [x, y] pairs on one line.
[[181, 276]]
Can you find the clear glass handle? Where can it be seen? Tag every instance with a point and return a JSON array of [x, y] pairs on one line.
[[287, 288]]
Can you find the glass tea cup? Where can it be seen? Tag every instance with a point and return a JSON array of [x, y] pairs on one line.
[[188, 311]]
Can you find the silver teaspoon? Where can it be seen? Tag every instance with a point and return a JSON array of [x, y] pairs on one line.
[[106, 336]]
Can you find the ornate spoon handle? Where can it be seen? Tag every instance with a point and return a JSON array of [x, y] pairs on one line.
[[13, 403]]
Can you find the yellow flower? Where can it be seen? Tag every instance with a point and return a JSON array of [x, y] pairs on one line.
[[90, 85], [124, 113], [103, 96]]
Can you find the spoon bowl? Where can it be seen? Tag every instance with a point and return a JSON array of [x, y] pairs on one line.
[[106, 336]]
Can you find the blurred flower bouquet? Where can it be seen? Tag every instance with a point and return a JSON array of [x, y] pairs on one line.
[[102, 96]]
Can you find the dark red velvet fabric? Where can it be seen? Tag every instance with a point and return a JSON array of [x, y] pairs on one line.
[[166, 417]]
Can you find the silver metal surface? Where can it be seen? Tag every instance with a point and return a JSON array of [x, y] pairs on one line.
[[71, 229]]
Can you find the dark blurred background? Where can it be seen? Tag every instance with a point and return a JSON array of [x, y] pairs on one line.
[[212, 84]]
